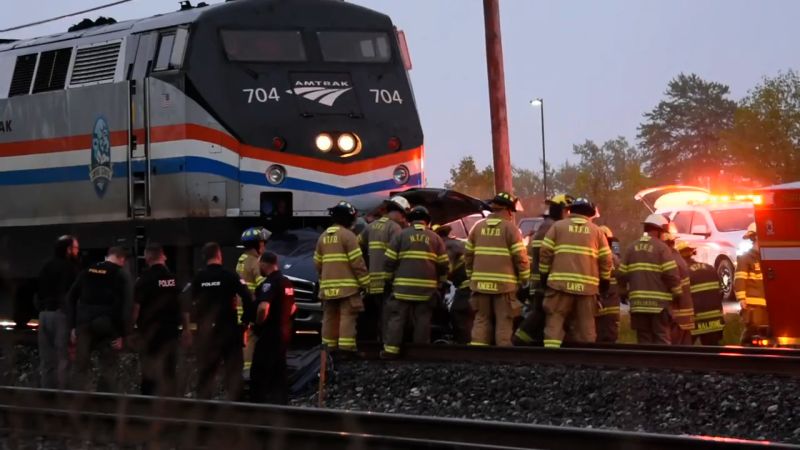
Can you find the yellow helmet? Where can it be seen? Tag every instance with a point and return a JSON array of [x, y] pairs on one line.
[[751, 231], [561, 199], [685, 247], [607, 231]]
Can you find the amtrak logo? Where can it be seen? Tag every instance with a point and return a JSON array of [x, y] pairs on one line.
[[100, 170], [322, 92]]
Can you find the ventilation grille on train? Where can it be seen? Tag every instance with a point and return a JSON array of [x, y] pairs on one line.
[[95, 64], [52, 72], [23, 75]]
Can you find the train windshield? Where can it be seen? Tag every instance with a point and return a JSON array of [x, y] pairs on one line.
[[355, 46], [260, 46]]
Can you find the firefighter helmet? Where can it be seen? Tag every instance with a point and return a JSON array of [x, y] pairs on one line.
[[582, 206], [399, 203], [256, 234], [506, 200], [685, 248], [343, 208], [560, 199], [751, 231], [419, 213], [657, 220]]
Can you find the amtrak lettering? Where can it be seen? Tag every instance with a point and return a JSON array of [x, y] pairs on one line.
[[5, 126], [324, 92]]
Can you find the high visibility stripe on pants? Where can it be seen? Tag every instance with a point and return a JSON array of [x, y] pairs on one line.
[[552, 343]]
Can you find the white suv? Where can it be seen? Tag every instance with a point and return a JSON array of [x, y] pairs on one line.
[[713, 224]]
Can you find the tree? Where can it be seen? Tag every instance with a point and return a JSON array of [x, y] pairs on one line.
[[682, 134], [467, 179], [765, 139]]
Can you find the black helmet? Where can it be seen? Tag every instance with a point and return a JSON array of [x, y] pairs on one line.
[[343, 208], [505, 200], [419, 213], [583, 207]]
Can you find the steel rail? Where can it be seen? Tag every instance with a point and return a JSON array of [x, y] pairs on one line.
[[134, 420], [672, 358]]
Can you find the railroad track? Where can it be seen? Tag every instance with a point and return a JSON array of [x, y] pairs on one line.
[[137, 420]]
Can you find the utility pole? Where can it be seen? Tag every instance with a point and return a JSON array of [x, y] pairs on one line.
[[497, 96]]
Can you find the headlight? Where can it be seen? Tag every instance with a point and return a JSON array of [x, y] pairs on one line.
[[401, 175], [324, 142], [346, 142], [276, 174]]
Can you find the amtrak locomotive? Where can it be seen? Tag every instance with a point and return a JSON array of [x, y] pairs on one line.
[[191, 126]]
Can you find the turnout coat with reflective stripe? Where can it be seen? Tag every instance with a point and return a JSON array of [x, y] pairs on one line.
[[534, 246], [683, 309], [748, 279], [707, 297], [495, 256], [416, 262], [457, 272], [610, 302], [650, 275], [247, 268], [340, 264], [374, 240], [576, 256]]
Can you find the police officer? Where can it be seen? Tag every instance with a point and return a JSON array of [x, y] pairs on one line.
[[461, 314], [607, 318], [273, 326], [157, 313], [55, 279], [706, 297], [219, 333], [575, 264], [416, 266], [749, 288], [342, 276], [531, 330], [497, 264], [374, 240], [99, 306]]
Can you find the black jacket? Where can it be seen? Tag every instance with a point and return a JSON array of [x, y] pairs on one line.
[[156, 292], [103, 291], [214, 291], [278, 292], [55, 279]]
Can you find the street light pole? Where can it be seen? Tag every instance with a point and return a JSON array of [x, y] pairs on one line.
[[540, 102]]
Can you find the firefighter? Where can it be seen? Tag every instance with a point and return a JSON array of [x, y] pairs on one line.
[[274, 298], [55, 279], [497, 264], [99, 305], [342, 276], [531, 330], [157, 313], [461, 314], [254, 240], [683, 309], [575, 266], [416, 269], [749, 287], [607, 318], [706, 297], [374, 240], [219, 331], [650, 275]]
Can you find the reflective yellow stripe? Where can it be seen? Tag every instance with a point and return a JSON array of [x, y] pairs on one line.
[[442, 258], [518, 247], [391, 254], [416, 254], [607, 276], [523, 336], [317, 257], [354, 254], [417, 282], [464, 284], [703, 287], [391, 349], [335, 257], [605, 251], [377, 245], [525, 274], [578, 220], [479, 344], [685, 282], [469, 246], [669, 265], [708, 314], [411, 297], [741, 295], [329, 342], [568, 276], [537, 243], [575, 249], [487, 276], [641, 267], [548, 243], [742, 275], [756, 276], [676, 290], [687, 312], [552, 343], [492, 251], [493, 222], [756, 301], [608, 311], [644, 294], [331, 230], [646, 309], [342, 282]]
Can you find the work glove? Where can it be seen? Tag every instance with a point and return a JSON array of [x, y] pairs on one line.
[[605, 285]]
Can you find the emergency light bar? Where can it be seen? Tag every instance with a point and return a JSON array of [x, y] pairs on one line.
[[743, 198]]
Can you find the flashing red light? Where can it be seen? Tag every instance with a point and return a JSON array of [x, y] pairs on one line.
[[278, 143], [761, 342], [394, 143]]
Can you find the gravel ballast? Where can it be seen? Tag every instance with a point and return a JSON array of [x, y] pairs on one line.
[[656, 401]]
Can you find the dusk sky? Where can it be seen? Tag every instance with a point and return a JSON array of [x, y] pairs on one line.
[[599, 65]]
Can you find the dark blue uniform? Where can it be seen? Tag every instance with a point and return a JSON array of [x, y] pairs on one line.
[[268, 378], [219, 333], [156, 293]]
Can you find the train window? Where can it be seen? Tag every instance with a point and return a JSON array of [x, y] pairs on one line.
[[263, 46], [52, 72], [355, 46], [164, 56], [23, 75]]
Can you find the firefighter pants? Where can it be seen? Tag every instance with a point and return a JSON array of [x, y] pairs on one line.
[[607, 326], [159, 360], [461, 317], [215, 348], [679, 336], [89, 341], [339, 318], [494, 315], [397, 313], [53, 339], [269, 381], [575, 311], [652, 328], [711, 338], [753, 317], [369, 322], [531, 330]]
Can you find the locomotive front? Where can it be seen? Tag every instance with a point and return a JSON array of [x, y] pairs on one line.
[[318, 97]]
